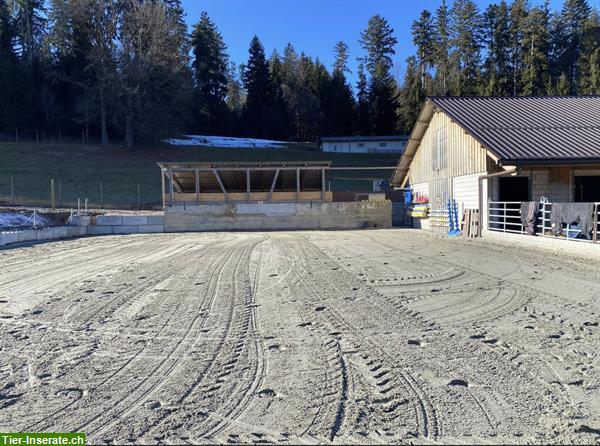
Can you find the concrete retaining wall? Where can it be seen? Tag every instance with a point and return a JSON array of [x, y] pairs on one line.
[[554, 244], [126, 224], [272, 216], [8, 237]]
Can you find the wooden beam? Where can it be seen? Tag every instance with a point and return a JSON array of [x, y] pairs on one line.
[[297, 184], [197, 175], [220, 184], [247, 184], [323, 185], [273, 184], [162, 191], [171, 187]]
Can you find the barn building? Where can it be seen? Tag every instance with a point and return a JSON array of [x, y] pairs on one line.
[[256, 196], [493, 154], [363, 144]]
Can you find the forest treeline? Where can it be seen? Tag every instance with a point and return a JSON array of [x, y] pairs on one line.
[[128, 71]]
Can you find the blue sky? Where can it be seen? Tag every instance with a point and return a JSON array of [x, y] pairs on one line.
[[314, 26]]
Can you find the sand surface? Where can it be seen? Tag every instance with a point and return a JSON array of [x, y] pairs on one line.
[[390, 336]]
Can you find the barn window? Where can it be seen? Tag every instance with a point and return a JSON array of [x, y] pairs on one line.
[[439, 156]]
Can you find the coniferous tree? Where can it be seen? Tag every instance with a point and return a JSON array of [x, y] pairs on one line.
[[466, 31], [573, 18], [340, 113], [341, 58], [536, 46], [411, 97], [258, 89], [442, 50], [210, 74], [362, 99], [518, 15], [589, 60], [378, 42], [496, 68], [383, 104], [423, 35], [8, 71]]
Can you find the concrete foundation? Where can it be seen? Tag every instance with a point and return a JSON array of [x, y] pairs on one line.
[[59, 232], [273, 216]]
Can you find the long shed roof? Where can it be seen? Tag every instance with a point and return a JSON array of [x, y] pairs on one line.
[[519, 130]]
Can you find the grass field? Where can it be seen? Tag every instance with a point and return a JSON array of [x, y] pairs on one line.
[[78, 170]]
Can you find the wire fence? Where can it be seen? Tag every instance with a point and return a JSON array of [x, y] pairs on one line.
[[57, 193]]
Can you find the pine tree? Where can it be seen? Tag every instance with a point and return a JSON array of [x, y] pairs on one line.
[[411, 97], [341, 58], [466, 33], [423, 35], [573, 18], [496, 73], [258, 89], [210, 74], [589, 81], [536, 46], [442, 50], [362, 118], [383, 104], [378, 41], [8, 70], [518, 14], [340, 113]]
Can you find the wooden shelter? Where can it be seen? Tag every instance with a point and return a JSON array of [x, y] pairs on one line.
[[249, 182]]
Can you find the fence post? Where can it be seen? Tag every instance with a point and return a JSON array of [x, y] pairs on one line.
[[596, 210], [52, 195], [60, 197], [101, 196], [16, 134], [37, 136], [12, 191], [139, 196]]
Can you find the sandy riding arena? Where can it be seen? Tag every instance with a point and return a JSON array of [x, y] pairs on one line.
[[388, 336]]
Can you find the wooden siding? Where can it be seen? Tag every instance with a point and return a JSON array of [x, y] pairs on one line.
[[465, 156]]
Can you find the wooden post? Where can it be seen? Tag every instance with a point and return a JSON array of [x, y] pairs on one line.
[[12, 191], [52, 195], [197, 186], [37, 136], [297, 184], [16, 134], [218, 177], [322, 184], [247, 184], [60, 197], [82, 135], [172, 201], [273, 184], [163, 192], [139, 196], [101, 196]]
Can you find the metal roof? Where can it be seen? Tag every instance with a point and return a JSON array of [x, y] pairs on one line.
[[245, 165], [530, 128], [363, 138], [519, 130]]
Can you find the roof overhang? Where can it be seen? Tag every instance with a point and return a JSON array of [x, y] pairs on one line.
[[414, 141]]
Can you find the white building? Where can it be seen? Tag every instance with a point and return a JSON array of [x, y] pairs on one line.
[[364, 144]]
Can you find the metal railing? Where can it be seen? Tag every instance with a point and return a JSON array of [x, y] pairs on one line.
[[505, 216]]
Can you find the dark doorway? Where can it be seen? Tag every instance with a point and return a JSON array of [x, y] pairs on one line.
[[587, 189], [514, 189]]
